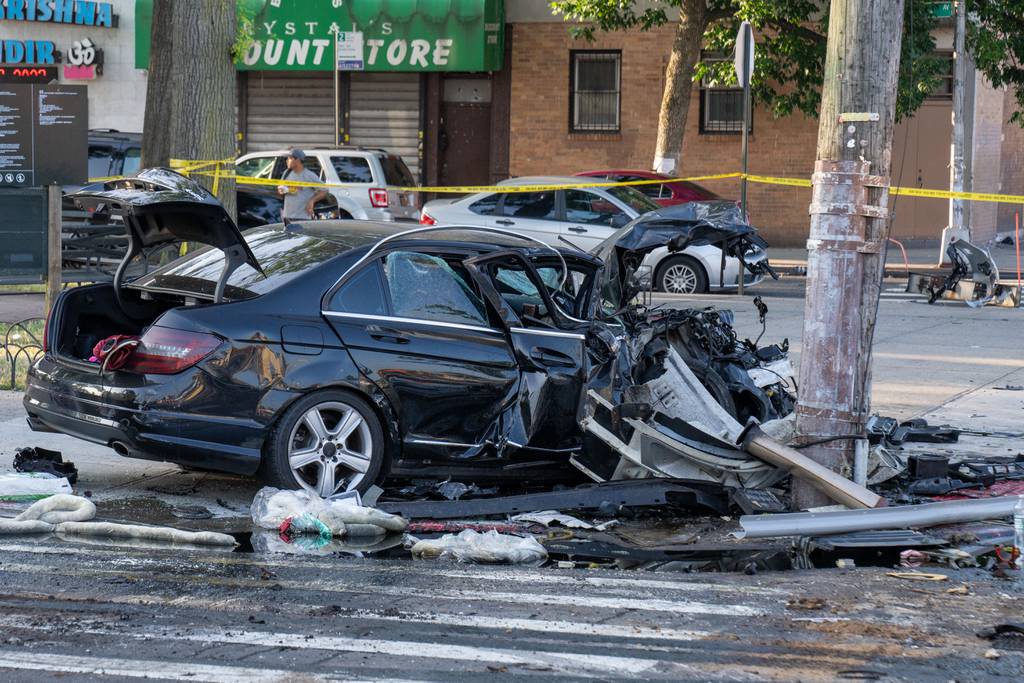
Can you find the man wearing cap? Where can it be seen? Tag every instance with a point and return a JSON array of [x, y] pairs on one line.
[[299, 201]]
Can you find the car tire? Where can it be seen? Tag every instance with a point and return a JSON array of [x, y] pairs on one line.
[[347, 444], [681, 275]]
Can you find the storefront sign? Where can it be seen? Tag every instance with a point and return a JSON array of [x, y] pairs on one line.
[[81, 12], [28, 52], [44, 130], [85, 62], [384, 35], [14, 73]]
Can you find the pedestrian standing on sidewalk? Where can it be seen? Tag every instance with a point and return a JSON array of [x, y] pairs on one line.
[[299, 201]]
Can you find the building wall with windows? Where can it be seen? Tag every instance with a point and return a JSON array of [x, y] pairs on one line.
[[548, 135]]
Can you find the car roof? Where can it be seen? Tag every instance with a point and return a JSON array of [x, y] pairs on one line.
[[113, 135], [355, 234], [637, 172], [542, 180], [373, 151]]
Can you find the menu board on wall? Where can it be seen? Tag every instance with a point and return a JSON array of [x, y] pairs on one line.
[[44, 135]]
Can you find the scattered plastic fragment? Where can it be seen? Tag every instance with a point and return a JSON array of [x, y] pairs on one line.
[[487, 548], [918, 576]]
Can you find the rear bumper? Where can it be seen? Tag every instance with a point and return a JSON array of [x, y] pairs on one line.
[[75, 403]]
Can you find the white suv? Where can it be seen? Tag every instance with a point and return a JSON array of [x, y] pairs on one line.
[[363, 179]]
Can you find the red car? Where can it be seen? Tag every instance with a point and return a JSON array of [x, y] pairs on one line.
[[665, 194]]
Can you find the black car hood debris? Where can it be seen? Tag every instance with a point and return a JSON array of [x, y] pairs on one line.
[[676, 227]]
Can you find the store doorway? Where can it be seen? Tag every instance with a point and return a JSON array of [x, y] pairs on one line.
[[465, 135]]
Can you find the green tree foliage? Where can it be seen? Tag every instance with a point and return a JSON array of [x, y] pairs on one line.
[[995, 39]]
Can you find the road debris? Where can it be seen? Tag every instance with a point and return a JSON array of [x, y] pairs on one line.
[[486, 548], [918, 576], [303, 513], [29, 486], [35, 459], [66, 514]]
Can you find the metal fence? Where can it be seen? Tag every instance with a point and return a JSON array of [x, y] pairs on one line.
[[23, 345]]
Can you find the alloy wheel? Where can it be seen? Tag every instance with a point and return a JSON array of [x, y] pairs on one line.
[[330, 448], [679, 278]]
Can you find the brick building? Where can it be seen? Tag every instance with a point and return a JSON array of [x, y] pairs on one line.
[[545, 135]]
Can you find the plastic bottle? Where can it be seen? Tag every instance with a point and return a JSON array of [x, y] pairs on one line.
[[1018, 532]]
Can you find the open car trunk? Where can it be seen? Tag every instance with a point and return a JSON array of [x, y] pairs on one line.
[[158, 207]]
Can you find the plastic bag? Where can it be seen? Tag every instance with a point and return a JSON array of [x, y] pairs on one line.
[[486, 548], [271, 507], [31, 486]]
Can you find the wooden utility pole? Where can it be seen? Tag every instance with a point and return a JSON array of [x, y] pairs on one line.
[[849, 229]]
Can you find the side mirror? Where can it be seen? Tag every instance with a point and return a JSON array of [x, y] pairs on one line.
[[619, 220]]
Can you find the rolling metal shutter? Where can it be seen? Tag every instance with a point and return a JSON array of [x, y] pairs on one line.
[[289, 108], [385, 113]]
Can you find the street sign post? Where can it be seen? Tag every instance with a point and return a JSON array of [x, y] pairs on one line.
[[744, 65]]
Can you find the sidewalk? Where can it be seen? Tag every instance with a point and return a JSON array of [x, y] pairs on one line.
[[793, 260]]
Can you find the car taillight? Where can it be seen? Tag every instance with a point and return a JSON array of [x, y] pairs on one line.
[[379, 198], [427, 219], [166, 351]]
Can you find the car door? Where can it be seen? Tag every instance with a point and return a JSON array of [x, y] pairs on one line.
[[590, 218], [531, 213], [549, 349], [417, 330]]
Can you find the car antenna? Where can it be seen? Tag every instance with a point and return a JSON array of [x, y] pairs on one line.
[[574, 246]]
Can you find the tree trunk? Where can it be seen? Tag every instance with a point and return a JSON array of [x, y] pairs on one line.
[[849, 229], [203, 114], [675, 101], [156, 128]]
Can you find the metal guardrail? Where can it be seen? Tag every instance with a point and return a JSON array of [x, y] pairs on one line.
[[20, 343]]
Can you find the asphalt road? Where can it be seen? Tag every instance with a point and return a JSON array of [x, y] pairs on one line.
[[80, 612], [16, 307]]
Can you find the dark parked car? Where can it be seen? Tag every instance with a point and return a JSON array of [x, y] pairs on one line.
[[328, 353], [113, 153]]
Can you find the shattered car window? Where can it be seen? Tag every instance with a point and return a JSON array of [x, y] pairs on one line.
[[427, 288]]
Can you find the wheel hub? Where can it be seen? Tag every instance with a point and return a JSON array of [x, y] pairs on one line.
[[330, 450]]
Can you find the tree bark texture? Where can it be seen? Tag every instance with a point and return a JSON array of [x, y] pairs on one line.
[[204, 81], [849, 229], [675, 100], [156, 138]]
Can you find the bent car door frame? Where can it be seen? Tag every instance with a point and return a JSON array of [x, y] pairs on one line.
[[552, 363]]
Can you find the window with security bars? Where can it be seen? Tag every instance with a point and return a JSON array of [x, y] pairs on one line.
[[944, 89], [594, 85], [721, 106]]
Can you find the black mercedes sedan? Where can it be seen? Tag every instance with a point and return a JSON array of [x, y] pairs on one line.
[[330, 354], [320, 355]]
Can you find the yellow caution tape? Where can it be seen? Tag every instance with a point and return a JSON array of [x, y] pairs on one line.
[[769, 180], [196, 167]]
